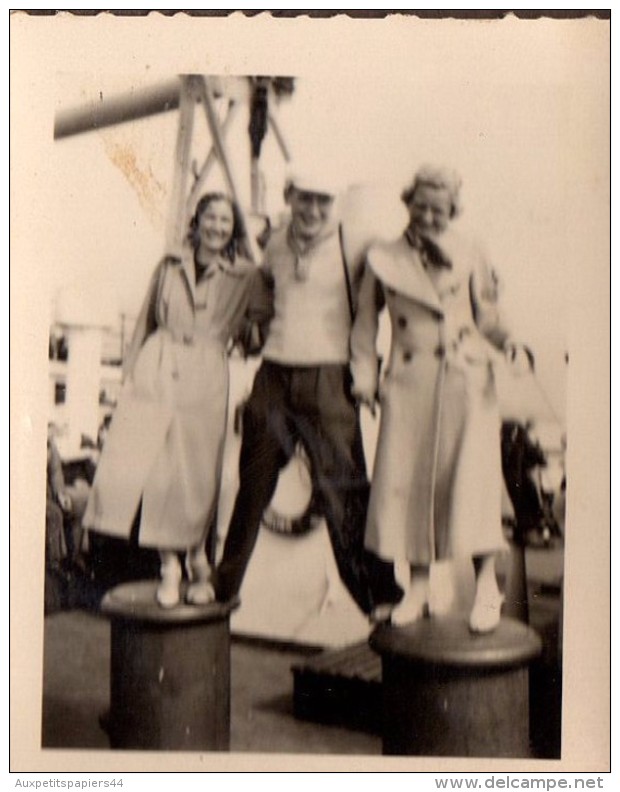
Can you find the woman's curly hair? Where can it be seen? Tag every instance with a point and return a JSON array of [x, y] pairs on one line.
[[237, 244], [438, 177]]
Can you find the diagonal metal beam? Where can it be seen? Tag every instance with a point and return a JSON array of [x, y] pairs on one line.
[[205, 94], [201, 178], [204, 91], [279, 137]]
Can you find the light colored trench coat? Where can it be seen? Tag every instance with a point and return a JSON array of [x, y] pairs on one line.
[[166, 439], [436, 489]]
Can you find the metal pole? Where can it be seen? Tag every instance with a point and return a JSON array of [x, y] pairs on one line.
[[128, 107], [177, 220], [257, 203]]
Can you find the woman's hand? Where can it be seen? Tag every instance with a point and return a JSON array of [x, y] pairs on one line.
[[364, 399], [64, 501]]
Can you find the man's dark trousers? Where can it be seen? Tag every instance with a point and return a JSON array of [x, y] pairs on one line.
[[311, 405]]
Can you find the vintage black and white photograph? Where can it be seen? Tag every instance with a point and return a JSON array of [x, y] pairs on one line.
[[313, 311]]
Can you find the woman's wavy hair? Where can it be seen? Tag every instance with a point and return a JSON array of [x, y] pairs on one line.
[[440, 177], [238, 241]]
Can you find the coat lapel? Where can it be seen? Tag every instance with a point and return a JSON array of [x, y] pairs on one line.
[[399, 267], [188, 268]]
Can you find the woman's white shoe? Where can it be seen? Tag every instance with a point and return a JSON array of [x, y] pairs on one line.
[[486, 613], [167, 593], [414, 605], [200, 591]]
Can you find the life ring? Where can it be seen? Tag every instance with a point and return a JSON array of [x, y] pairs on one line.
[[291, 509]]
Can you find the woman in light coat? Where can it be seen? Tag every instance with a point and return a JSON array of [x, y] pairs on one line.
[[162, 456], [436, 489]]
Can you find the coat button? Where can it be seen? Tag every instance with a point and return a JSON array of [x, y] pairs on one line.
[[402, 322], [440, 351], [407, 355]]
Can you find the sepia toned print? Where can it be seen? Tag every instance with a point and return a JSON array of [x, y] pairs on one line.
[[266, 488]]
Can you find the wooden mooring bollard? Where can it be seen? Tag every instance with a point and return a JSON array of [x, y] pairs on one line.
[[448, 692], [170, 672]]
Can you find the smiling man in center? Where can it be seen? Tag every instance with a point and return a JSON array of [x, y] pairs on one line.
[[302, 394]]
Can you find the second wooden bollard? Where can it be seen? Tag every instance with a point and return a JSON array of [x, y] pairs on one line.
[[170, 672], [447, 692]]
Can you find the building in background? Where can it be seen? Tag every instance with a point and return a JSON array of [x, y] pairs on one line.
[[85, 377]]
